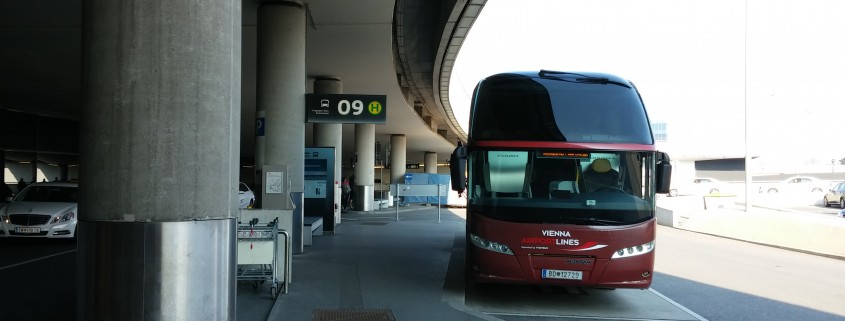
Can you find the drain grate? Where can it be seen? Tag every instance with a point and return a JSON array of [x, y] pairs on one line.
[[354, 315]]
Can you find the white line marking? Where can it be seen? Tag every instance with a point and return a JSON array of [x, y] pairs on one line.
[[677, 305], [38, 259], [568, 317]]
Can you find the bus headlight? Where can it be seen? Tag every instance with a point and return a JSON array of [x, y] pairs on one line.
[[489, 245], [634, 250]]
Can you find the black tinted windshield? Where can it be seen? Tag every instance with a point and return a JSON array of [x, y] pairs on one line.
[[564, 108], [65, 194], [556, 186]]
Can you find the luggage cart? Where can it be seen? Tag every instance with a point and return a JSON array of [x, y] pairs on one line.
[[257, 261]]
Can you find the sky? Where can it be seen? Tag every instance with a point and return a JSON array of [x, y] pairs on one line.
[[700, 66]]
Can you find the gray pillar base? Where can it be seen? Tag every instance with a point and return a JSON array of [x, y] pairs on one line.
[[363, 198], [157, 270]]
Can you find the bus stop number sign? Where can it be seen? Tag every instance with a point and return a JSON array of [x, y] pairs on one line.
[[346, 109]]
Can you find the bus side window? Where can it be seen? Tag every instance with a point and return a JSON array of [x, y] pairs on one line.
[[506, 173]]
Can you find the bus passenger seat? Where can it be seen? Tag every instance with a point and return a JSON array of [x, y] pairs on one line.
[[562, 189], [599, 175]]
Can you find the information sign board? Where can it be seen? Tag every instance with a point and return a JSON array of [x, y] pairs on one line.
[[346, 108]]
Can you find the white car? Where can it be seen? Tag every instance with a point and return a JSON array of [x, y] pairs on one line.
[[698, 186], [41, 210], [797, 184], [245, 196]]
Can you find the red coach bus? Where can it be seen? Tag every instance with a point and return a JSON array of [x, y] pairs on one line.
[[560, 173]]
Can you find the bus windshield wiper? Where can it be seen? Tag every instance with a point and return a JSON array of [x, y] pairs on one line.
[[579, 78], [594, 221]]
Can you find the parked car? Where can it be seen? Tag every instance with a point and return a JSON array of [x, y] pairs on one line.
[[245, 196], [797, 184], [41, 210], [698, 186], [836, 195]]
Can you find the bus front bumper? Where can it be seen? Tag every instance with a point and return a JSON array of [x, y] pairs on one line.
[[631, 272]]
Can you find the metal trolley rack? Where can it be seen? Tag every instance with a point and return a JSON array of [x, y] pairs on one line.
[[257, 260]]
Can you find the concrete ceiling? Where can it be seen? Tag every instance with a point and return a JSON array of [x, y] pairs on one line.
[[403, 49]]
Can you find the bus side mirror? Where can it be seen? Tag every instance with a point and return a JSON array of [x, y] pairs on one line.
[[663, 175], [458, 168]]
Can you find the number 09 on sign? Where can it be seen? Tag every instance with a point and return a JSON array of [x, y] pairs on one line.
[[344, 106], [357, 107]]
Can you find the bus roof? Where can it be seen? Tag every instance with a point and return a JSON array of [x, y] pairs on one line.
[[554, 106]]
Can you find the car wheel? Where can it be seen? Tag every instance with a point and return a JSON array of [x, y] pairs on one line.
[[673, 192], [842, 203], [772, 190], [825, 202], [817, 190]]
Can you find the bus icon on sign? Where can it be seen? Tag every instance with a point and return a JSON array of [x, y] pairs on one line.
[[324, 103]]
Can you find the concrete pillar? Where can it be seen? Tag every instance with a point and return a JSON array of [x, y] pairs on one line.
[[398, 158], [431, 162], [260, 138], [331, 135], [33, 168], [63, 172], [5, 191], [160, 124], [280, 92], [365, 150]]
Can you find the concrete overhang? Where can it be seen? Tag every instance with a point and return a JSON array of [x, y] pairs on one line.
[[404, 49]]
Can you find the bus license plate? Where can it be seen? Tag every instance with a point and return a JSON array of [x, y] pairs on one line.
[[27, 230], [562, 274]]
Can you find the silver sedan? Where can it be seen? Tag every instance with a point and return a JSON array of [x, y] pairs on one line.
[[835, 195], [47, 210]]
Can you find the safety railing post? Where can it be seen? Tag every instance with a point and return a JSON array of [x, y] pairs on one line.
[[438, 203], [396, 202]]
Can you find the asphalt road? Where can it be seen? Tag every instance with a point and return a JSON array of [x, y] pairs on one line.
[[715, 278], [37, 277], [723, 279]]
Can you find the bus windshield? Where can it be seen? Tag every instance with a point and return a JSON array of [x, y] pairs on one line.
[[582, 187]]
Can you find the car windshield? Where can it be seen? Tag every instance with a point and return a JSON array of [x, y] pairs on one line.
[[557, 186], [64, 194]]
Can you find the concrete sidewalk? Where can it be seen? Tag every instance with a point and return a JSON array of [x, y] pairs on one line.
[[769, 226], [374, 268]]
